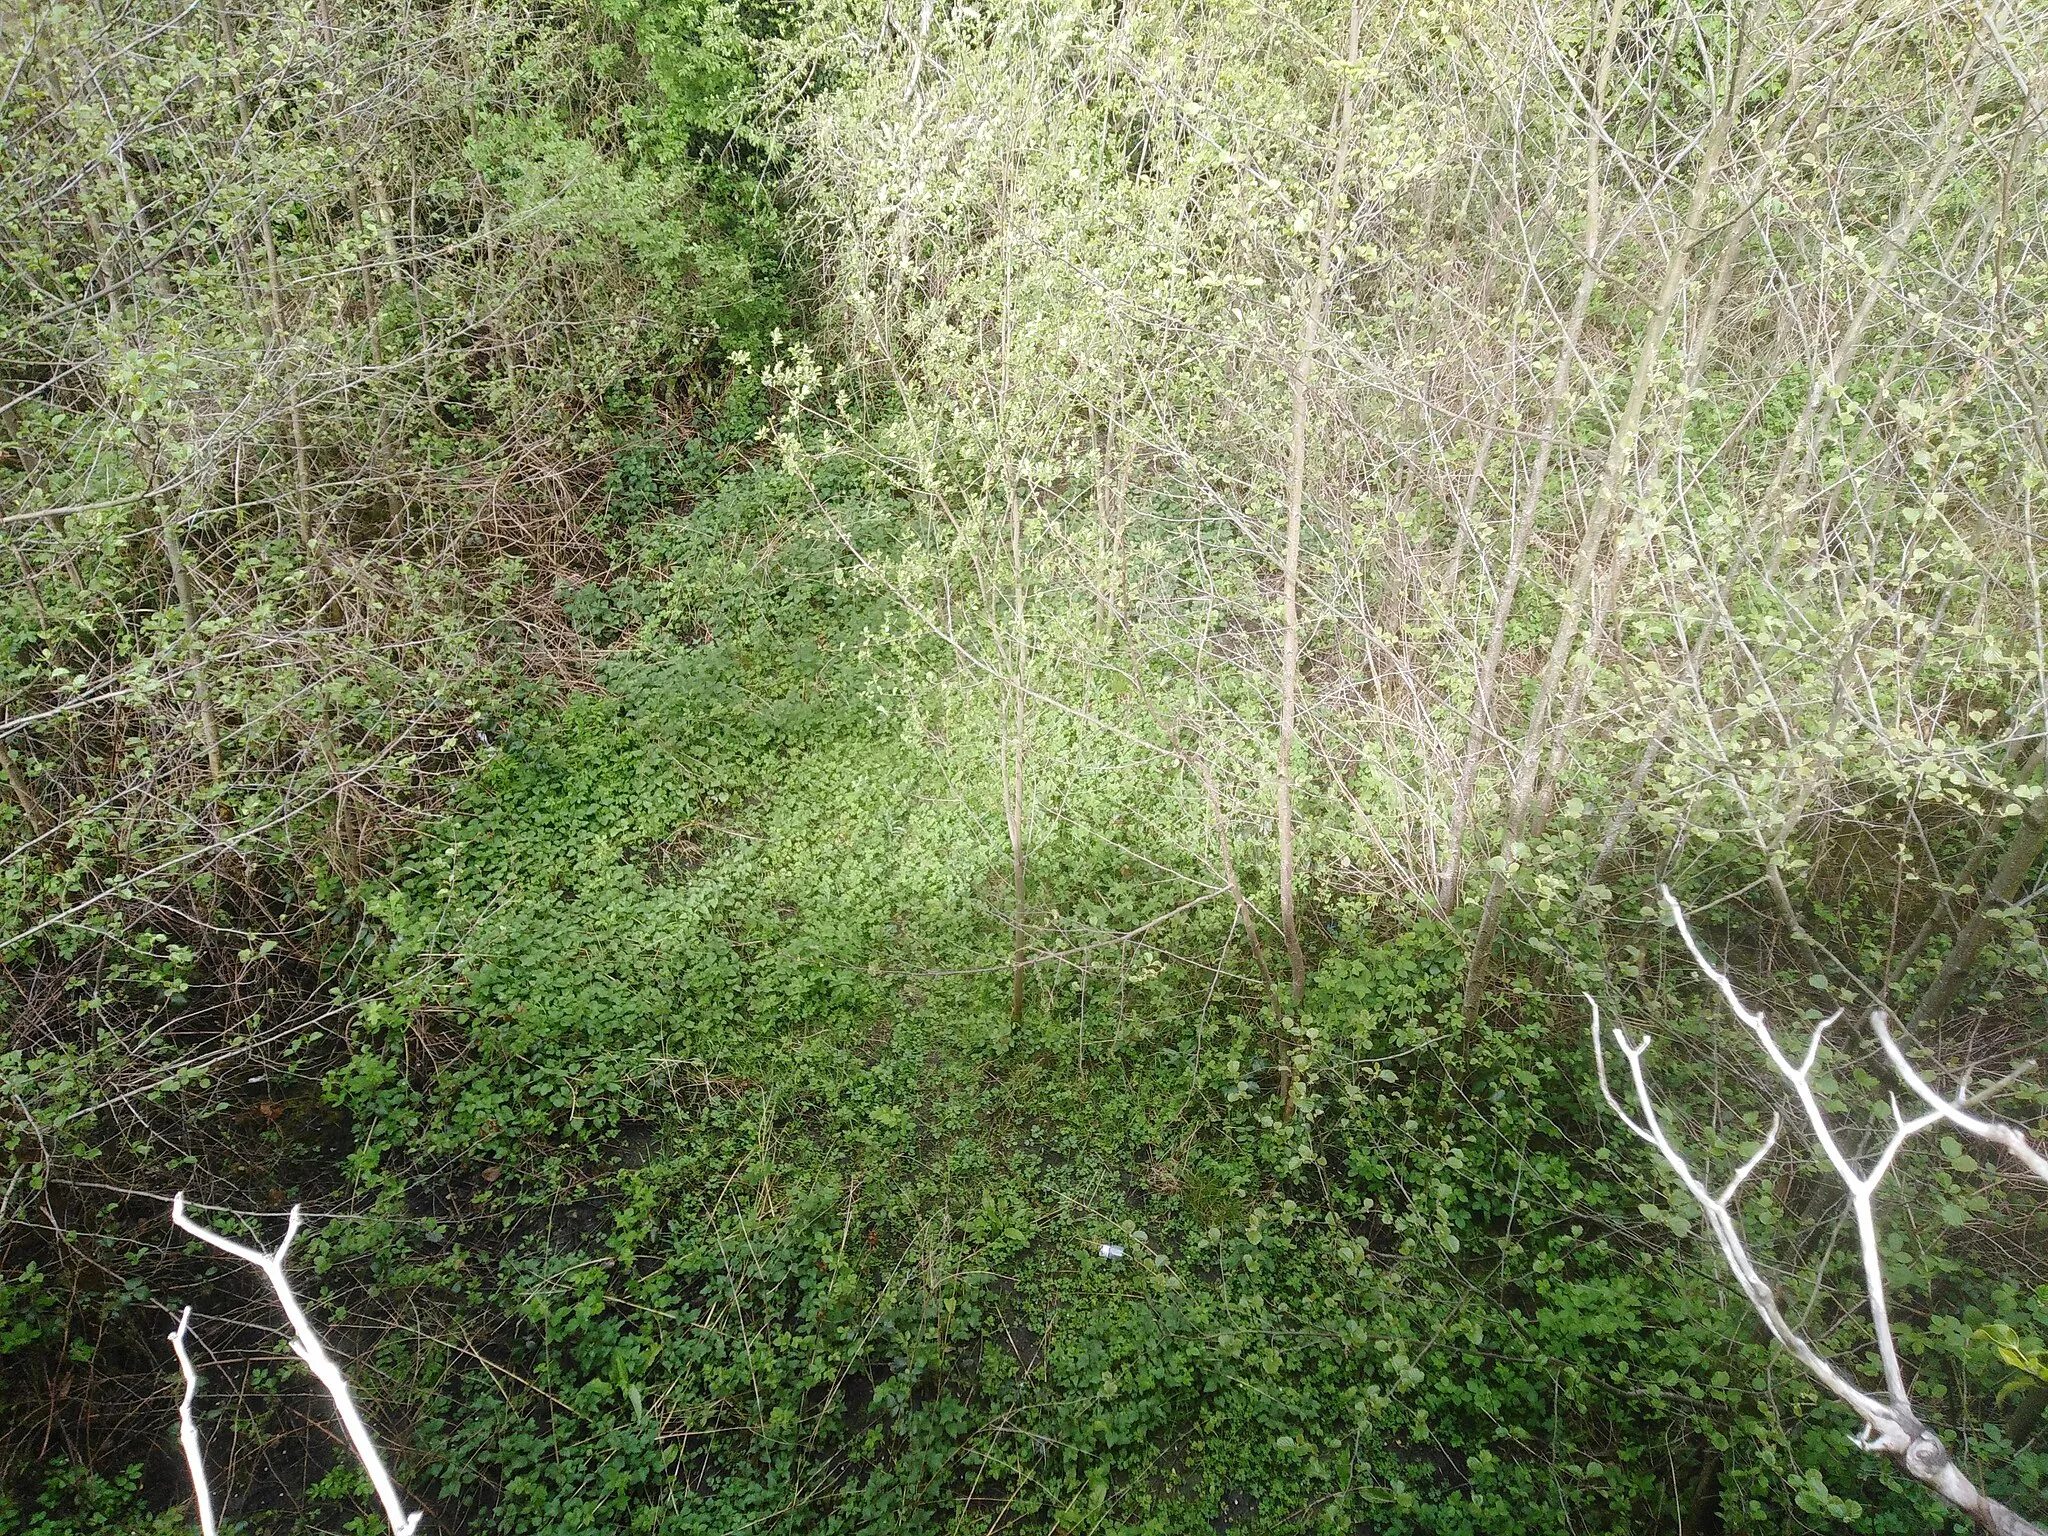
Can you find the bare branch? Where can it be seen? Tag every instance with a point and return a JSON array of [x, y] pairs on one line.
[[1891, 1427], [1997, 1132], [188, 1430], [307, 1346]]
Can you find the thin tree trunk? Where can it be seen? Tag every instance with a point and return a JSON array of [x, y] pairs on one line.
[[1246, 914], [1599, 521], [1482, 457], [1112, 474], [2021, 854], [1623, 814], [302, 511], [1607, 590], [1903, 960], [919, 43], [1803, 445], [39, 820], [1290, 677], [188, 606], [1014, 785], [1300, 374], [1481, 724], [1013, 776]]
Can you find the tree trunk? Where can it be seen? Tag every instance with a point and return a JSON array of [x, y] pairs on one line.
[[24, 793], [1599, 522], [2021, 855], [188, 606], [1014, 779], [1245, 912], [1607, 590], [1481, 724], [1299, 375]]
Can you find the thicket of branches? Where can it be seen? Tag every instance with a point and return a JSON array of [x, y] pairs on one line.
[[1415, 476], [1487, 462], [1534, 451], [320, 328]]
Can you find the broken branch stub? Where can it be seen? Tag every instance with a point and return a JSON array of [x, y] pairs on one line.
[[188, 1428]]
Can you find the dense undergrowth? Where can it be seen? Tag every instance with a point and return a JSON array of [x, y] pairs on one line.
[[784, 1222], [802, 1042], [700, 1179]]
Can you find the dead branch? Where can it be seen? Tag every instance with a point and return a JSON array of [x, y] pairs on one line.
[[1891, 1426], [307, 1346]]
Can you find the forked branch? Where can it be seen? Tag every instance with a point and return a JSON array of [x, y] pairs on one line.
[[1891, 1427], [307, 1346], [2009, 1137]]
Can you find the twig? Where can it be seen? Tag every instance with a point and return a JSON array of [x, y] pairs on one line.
[[1891, 1427], [188, 1431]]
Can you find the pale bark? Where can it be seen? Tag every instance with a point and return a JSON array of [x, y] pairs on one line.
[[188, 1429], [1300, 375], [1014, 778], [1891, 1426], [1803, 444], [305, 1343], [1607, 588], [1600, 518], [1481, 726], [1020, 681]]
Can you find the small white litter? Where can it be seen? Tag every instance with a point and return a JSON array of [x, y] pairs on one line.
[[1111, 1251]]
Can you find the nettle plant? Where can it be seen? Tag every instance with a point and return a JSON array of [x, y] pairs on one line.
[[1892, 1426]]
